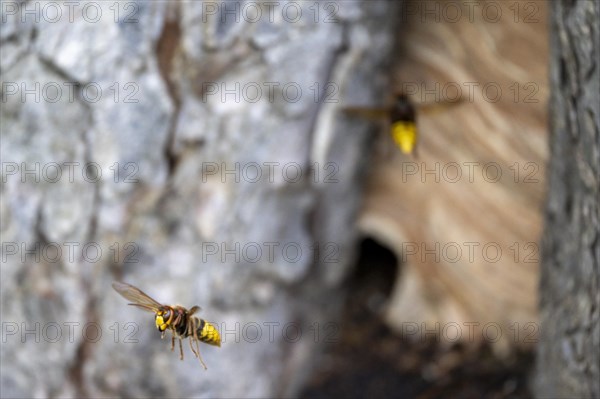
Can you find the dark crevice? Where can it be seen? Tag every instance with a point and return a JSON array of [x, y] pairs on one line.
[[39, 233], [568, 205], [353, 368], [375, 270], [33, 35], [40, 239], [563, 73], [166, 51], [84, 349], [569, 5], [369, 359], [371, 283], [61, 73]]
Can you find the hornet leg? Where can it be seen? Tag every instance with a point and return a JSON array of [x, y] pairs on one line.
[[191, 327], [200, 356], [198, 349], [192, 346]]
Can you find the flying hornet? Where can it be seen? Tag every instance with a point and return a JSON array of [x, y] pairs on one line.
[[402, 115], [175, 318]]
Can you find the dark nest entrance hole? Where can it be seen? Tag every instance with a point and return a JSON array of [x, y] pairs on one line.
[[370, 360]]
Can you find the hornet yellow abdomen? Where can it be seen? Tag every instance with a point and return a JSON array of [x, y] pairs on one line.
[[208, 333], [404, 134]]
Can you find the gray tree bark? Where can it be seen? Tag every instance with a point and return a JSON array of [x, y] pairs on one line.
[[569, 350], [155, 134]]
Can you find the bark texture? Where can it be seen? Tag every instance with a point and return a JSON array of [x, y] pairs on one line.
[[569, 351], [166, 56]]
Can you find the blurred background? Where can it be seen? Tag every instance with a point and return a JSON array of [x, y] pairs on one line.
[[200, 151]]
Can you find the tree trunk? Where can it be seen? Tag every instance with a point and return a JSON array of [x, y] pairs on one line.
[[569, 350], [210, 192]]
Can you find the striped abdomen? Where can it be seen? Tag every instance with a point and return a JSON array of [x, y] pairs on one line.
[[205, 331]]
